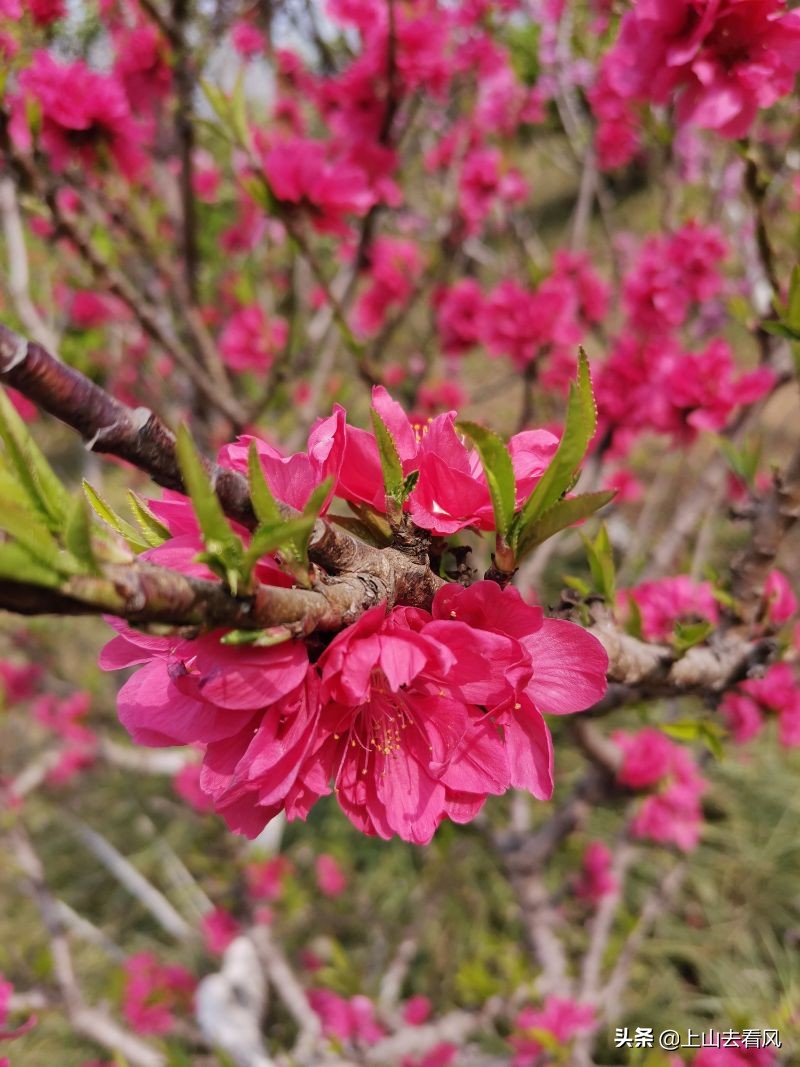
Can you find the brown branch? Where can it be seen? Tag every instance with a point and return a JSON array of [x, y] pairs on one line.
[[144, 593], [359, 575], [185, 132], [776, 514], [660, 670]]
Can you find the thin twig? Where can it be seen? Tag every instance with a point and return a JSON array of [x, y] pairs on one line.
[[137, 885]]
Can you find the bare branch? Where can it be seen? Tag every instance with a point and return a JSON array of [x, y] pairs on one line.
[[137, 885], [287, 986], [18, 274], [92, 1023]]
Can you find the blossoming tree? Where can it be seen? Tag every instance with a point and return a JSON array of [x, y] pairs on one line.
[[461, 340]]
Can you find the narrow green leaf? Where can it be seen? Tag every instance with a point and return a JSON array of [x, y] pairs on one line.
[[689, 634], [743, 460], [265, 505], [499, 470], [154, 532], [792, 316], [45, 491], [238, 111], [213, 524], [17, 565], [311, 511], [634, 625], [105, 512], [316, 502], [579, 428], [269, 539], [224, 550], [391, 465], [275, 635], [580, 585], [710, 733], [601, 564], [780, 329], [562, 514], [410, 482], [681, 730], [217, 100], [30, 532], [78, 534], [11, 490]]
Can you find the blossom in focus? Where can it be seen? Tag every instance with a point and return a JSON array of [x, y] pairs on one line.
[[409, 716], [292, 479], [403, 743]]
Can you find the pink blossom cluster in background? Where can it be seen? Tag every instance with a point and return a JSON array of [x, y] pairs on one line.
[[672, 812]]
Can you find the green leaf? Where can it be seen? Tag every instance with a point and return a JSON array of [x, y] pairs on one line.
[[601, 564], [391, 465], [792, 314], [265, 505], [105, 512], [217, 100], [30, 532], [499, 470], [154, 532], [238, 111], [562, 514], [579, 428], [691, 730], [269, 539], [689, 634], [634, 625], [316, 501], [213, 524], [743, 461], [78, 535], [275, 635], [45, 492], [17, 565], [10, 488], [780, 329], [224, 550], [311, 511], [580, 585]]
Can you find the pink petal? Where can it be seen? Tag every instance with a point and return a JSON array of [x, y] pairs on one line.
[[569, 668]]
